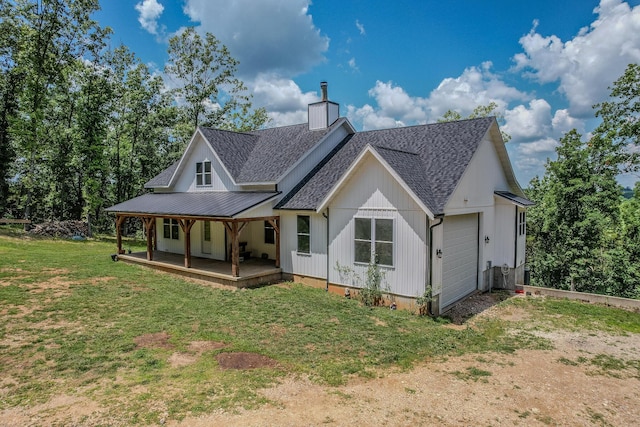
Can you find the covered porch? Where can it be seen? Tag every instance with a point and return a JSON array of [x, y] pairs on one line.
[[177, 214], [255, 271]]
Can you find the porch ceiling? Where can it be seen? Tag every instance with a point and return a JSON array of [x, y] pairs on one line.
[[225, 204]]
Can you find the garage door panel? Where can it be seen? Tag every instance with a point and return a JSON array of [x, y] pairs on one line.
[[460, 258]]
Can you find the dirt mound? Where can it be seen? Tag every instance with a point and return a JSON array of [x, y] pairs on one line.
[[242, 360], [157, 340]]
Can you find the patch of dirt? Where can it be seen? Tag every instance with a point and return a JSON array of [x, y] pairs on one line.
[[195, 350], [157, 340], [243, 360], [473, 305]]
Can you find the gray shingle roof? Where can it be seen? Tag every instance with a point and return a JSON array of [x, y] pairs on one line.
[[224, 204], [258, 156], [442, 154], [163, 178]]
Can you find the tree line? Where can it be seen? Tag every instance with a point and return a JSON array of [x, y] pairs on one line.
[[83, 126], [582, 234]]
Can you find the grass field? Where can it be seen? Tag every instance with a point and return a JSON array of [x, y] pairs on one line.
[[71, 322]]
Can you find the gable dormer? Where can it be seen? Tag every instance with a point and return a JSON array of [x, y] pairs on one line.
[[324, 113]]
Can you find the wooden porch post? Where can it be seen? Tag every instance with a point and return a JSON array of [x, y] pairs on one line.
[[235, 230], [275, 223], [186, 225], [149, 225], [119, 221]]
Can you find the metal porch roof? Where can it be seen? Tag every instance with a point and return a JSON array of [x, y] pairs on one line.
[[225, 204]]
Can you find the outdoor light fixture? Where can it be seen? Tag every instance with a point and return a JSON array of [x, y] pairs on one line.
[[486, 240], [439, 253]]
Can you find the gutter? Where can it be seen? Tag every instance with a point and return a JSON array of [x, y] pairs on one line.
[[441, 218], [326, 215]]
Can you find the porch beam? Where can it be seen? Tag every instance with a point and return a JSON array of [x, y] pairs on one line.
[[185, 225], [235, 227]]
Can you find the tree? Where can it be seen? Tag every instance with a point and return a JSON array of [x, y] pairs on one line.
[[202, 70], [621, 117], [480, 111], [573, 225], [53, 35]]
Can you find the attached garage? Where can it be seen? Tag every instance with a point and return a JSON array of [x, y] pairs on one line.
[[460, 258]]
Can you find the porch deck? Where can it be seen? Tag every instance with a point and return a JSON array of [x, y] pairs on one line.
[[253, 272]]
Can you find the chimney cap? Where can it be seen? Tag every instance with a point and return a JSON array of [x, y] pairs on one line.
[[323, 87]]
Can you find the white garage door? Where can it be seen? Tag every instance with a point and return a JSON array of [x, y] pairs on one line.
[[460, 258]]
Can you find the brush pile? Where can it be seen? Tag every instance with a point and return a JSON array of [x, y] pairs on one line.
[[62, 229]]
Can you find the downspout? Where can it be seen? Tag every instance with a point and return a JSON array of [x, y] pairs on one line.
[[441, 218], [326, 215]]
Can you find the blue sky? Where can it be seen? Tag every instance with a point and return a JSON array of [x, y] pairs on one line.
[[545, 63]]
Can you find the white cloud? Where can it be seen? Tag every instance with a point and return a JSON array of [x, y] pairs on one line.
[[360, 28], [353, 65], [586, 65], [270, 36], [150, 11], [286, 104], [524, 123], [475, 86]]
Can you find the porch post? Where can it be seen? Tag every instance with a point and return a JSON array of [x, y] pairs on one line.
[[275, 223], [235, 230], [149, 225], [186, 225], [119, 220]]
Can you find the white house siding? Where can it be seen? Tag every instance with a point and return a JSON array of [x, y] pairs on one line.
[[300, 170], [374, 193], [520, 243], [168, 245], [310, 265], [505, 224], [200, 151], [253, 234]]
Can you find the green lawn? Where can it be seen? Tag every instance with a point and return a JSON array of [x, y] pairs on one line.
[[69, 317]]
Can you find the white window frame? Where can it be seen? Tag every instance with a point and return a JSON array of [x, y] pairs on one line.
[[204, 177], [306, 235], [170, 229], [373, 241]]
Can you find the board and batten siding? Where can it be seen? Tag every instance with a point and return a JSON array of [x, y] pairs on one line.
[[199, 152], [506, 233], [372, 192], [217, 244], [310, 265], [322, 149]]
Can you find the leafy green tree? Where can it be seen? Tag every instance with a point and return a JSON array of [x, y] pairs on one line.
[[202, 71], [621, 117], [572, 227]]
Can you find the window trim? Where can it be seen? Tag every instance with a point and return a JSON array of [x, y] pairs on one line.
[[373, 241], [170, 229], [522, 223], [301, 234], [204, 178]]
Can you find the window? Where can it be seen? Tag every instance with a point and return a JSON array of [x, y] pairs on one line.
[[171, 229], [203, 173], [269, 233], [374, 238], [522, 223], [304, 234], [206, 232]]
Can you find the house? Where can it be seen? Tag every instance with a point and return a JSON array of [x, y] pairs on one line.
[[436, 206]]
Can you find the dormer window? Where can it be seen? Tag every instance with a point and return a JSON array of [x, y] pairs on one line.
[[203, 173]]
